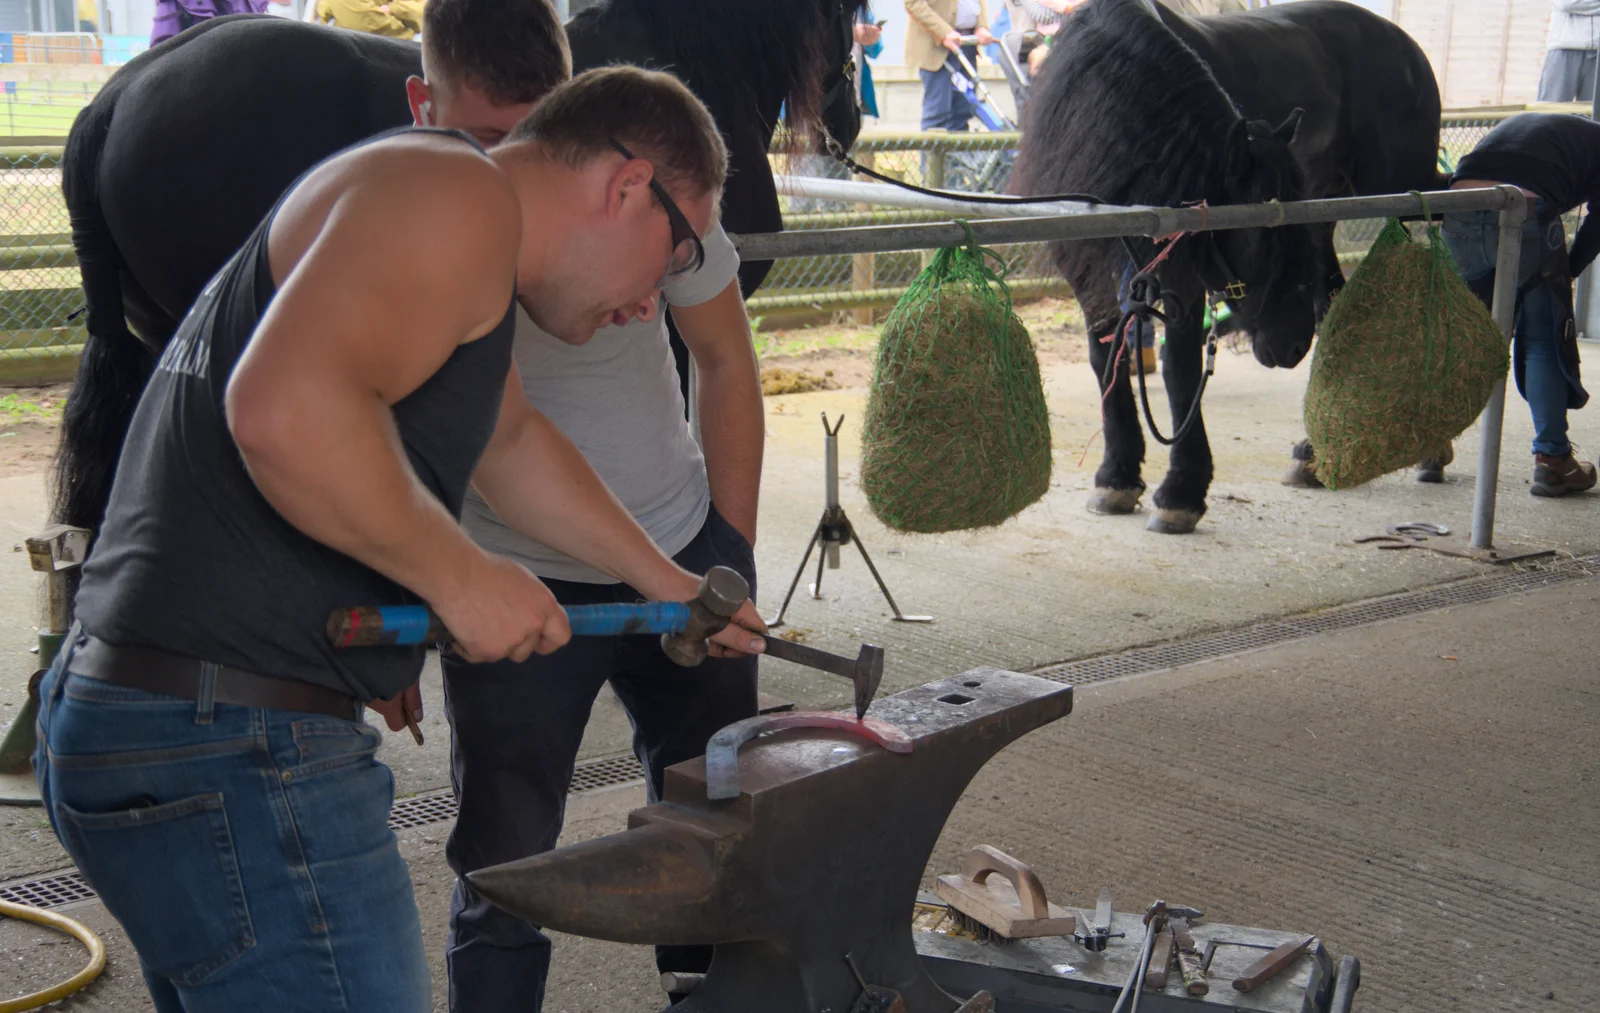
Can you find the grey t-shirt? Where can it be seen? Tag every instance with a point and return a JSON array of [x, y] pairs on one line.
[[617, 398]]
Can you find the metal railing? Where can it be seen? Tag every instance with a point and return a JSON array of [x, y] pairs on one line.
[[1106, 222], [39, 285]]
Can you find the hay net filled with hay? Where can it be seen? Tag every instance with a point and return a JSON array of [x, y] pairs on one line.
[[1406, 360], [957, 434]]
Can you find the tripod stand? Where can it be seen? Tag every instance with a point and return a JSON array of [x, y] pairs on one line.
[[835, 530]]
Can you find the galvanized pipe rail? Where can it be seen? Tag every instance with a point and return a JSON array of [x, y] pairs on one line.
[[1102, 222], [884, 195]]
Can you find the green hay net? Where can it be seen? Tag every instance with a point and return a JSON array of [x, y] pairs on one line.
[[957, 434], [1405, 361]]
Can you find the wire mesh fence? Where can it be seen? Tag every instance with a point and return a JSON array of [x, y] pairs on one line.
[[40, 296], [39, 284]]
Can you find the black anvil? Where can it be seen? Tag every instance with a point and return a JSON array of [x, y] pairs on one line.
[[820, 855]]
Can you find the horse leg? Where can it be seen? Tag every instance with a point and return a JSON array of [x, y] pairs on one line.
[[1117, 485], [1181, 497]]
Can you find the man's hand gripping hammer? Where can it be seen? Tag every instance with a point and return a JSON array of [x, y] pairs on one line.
[[684, 627]]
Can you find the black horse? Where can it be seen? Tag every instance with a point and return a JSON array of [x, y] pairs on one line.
[[1138, 104], [184, 150]]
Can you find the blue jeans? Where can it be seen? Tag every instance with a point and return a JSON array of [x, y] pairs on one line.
[[515, 732], [1474, 241], [944, 108], [246, 851]]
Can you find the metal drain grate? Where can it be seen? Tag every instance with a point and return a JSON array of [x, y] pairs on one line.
[[606, 773], [1212, 646], [420, 810], [52, 891]]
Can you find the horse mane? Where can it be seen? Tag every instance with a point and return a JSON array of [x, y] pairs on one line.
[[734, 50], [1125, 110]]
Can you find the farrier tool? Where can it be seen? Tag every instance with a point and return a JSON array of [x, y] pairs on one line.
[[684, 627], [1093, 932], [1155, 919], [1009, 906], [1155, 976], [821, 854], [1190, 962], [833, 531], [1271, 965]]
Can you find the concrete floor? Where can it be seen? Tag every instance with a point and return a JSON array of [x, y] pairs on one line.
[[1358, 785]]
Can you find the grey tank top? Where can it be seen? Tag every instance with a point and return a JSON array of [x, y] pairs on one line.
[[193, 560]]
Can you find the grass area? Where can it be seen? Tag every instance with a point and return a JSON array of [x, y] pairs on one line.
[[800, 340], [33, 208], [43, 406], [43, 109]]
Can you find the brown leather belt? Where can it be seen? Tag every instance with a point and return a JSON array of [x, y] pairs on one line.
[[171, 675]]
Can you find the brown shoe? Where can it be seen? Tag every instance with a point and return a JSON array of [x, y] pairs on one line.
[[1557, 476]]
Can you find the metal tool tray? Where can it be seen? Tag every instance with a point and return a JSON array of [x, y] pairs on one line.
[[1056, 975]]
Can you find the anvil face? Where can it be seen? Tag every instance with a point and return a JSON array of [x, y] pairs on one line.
[[820, 855]]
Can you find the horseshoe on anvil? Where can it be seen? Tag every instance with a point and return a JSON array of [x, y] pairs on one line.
[[722, 751]]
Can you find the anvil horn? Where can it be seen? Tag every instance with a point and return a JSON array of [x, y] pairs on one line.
[[653, 884]]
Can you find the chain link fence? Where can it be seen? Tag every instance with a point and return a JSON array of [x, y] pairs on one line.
[[39, 284], [40, 298]]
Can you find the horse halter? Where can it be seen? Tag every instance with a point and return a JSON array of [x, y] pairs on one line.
[[844, 78]]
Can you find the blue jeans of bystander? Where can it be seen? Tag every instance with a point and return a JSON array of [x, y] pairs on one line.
[[943, 107], [1474, 240]]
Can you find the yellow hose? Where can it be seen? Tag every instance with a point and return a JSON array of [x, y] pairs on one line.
[[61, 923]]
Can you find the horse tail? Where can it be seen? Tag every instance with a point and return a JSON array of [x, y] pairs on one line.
[[115, 365]]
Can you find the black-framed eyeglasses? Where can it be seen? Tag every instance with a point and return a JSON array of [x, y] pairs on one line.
[[688, 253]]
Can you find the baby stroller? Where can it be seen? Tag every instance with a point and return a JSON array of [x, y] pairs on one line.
[[974, 171]]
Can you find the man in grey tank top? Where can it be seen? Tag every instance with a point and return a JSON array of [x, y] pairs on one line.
[[306, 443]]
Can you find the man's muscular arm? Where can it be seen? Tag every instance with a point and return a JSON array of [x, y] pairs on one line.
[[370, 304]]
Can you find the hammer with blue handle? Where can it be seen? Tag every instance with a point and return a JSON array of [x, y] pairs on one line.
[[684, 627]]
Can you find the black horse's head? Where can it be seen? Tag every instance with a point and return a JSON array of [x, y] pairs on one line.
[[1127, 111], [1269, 276], [839, 114]]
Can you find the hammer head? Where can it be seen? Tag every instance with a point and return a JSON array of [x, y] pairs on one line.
[[868, 673], [722, 591]]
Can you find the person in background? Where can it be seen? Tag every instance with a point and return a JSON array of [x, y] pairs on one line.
[[173, 16], [869, 46], [1555, 159], [397, 19], [939, 26], [1569, 58]]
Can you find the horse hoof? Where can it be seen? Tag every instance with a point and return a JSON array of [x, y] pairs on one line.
[[1302, 475], [1114, 501], [1173, 522]]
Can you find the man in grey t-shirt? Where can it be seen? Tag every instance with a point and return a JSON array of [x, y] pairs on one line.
[[516, 727]]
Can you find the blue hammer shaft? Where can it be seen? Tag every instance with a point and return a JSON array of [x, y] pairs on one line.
[[408, 625]]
